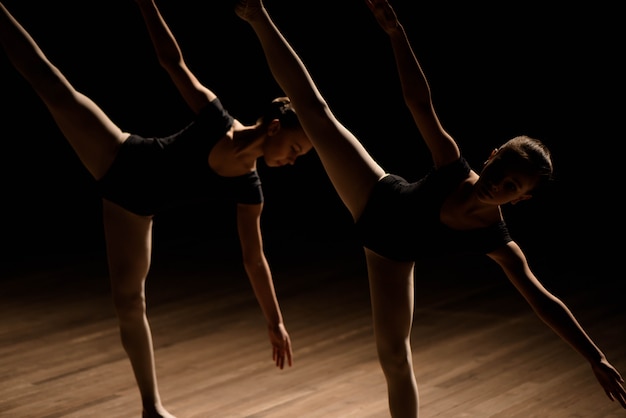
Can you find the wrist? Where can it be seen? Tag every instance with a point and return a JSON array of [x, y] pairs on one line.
[[275, 326]]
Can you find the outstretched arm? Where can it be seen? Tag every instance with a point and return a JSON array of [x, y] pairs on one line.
[[171, 58], [415, 88], [258, 270], [558, 317]]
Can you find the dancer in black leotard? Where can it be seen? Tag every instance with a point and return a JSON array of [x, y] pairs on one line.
[[150, 175], [453, 209], [401, 220], [213, 157]]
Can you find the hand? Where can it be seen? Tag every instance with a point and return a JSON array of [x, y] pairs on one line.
[[384, 14], [247, 9], [281, 345], [611, 381]]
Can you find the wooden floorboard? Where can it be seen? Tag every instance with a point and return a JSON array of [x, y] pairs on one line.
[[478, 349]]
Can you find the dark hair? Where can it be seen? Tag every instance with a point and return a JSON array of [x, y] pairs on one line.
[[280, 108], [535, 153]]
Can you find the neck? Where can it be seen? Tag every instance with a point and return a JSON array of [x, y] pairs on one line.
[[248, 141]]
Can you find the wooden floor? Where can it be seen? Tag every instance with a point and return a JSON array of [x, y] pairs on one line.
[[478, 349]]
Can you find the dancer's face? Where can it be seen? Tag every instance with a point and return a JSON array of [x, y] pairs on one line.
[[283, 146], [505, 180]]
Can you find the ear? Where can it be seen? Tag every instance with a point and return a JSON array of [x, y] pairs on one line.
[[493, 154], [273, 127], [522, 197]]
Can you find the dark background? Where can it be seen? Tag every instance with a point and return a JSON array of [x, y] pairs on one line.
[[495, 72]]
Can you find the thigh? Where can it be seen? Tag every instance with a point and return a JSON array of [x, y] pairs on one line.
[[351, 169], [129, 246], [88, 129], [391, 292]]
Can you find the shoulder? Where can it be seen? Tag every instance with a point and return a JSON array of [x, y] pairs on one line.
[[248, 188], [214, 110], [460, 166], [450, 174]]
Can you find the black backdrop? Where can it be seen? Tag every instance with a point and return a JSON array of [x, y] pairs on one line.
[[495, 73]]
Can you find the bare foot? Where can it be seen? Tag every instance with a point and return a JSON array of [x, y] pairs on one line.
[[248, 9], [158, 412]]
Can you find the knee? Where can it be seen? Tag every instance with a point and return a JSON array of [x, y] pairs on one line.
[[395, 358], [129, 304]]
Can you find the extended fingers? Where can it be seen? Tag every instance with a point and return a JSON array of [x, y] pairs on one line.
[[281, 352], [619, 394], [279, 357]]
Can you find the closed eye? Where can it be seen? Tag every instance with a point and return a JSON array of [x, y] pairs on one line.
[[511, 186]]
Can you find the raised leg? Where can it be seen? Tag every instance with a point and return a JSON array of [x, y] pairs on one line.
[[349, 166], [92, 135]]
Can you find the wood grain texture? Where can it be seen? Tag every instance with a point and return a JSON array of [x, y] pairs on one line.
[[479, 351]]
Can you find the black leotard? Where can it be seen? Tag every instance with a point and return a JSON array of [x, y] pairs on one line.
[[153, 174], [401, 220]]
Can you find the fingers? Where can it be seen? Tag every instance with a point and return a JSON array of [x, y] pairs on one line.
[[614, 387], [282, 352], [611, 381], [288, 352], [279, 357], [620, 394], [617, 396]]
